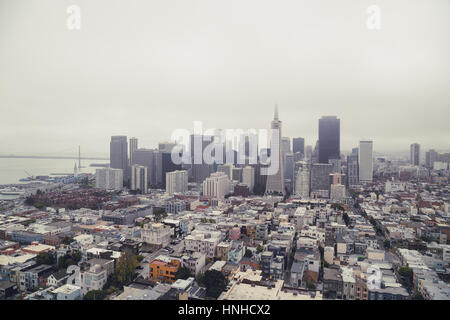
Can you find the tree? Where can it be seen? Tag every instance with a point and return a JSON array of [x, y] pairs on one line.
[[248, 253], [71, 258], [215, 283], [387, 244], [183, 273], [139, 258], [45, 258], [126, 265], [259, 248], [95, 295]]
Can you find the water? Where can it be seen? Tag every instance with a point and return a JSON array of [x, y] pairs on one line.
[[12, 169]]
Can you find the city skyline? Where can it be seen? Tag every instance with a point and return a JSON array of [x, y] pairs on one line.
[[64, 88]]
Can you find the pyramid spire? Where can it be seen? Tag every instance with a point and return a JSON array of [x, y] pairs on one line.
[[275, 117]]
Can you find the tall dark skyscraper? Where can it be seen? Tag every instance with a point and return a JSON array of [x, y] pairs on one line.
[[329, 138], [201, 170], [415, 154], [298, 145], [118, 154]]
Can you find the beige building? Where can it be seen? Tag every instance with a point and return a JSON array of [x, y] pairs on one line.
[[156, 234]]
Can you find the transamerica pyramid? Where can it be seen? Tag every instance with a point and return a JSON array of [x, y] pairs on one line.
[[275, 182]]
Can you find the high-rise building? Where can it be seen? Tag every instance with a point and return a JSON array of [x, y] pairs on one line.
[[118, 154], [200, 169], [147, 158], [336, 163], [285, 145], [109, 179], [302, 179], [166, 146], [216, 186], [365, 161], [329, 138], [248, 177], [260, 179], [430, 157], [139, 178], [133, 148], [415, 154], [352, 169], [237, 174], [320, 177], [289, 167], [164, 164], [298, 145], [308, 153], [176, 182], [227, 169], [275, 182]]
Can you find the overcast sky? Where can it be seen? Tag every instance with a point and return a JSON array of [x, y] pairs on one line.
[[144, 68]]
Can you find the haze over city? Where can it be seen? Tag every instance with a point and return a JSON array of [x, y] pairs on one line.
[[144, 69]]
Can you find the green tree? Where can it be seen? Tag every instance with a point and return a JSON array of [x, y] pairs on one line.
[[259, 248], [95, 295], [183, 273], [139, 258], [45, 258], [125, 268], [248, 253], [215, 283], [387, 244]]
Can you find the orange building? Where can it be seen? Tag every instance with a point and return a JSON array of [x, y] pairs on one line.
[[164, 270]]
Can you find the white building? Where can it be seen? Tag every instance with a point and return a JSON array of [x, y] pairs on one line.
[[109, 179], [216, 186], [156, 234], [176, 182], [139, 178], [302, 182], [68, 292], [365, 159], [203, 242], [248, 177]]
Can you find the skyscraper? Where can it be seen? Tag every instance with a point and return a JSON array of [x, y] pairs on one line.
[[285, 145], [352, 168], [298, 145], [139, 178], [320, 178], [365, 161], [200, 169], [109, 179], [176, 182], [302, 179], [118, 154], [164, 164], [216, 186], [133, 148], [415, 154], [430, 157], [275, 182], [329, 138], [146, 157], [248, 177]]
